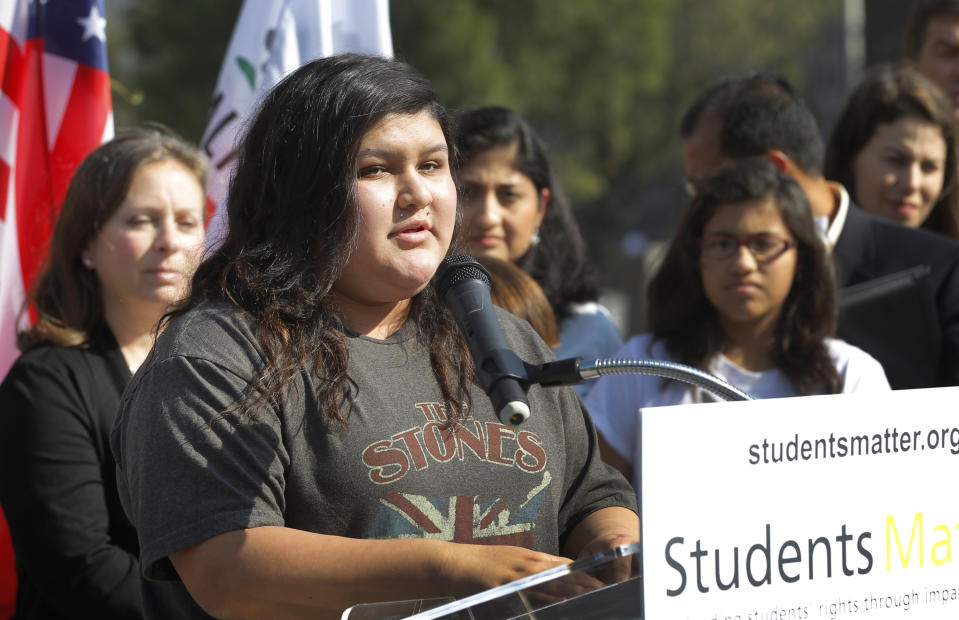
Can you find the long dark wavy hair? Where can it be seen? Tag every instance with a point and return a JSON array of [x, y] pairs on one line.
[[887, 94], [558, 263], [682, 316], [293, 225], [66, 295]]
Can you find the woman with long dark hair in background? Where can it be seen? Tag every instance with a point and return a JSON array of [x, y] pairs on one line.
[[894, 149], [514, 209]]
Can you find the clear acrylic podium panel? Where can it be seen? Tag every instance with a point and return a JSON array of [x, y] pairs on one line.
[[606, 586]]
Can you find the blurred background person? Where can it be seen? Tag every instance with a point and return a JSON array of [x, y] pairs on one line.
[[513, 210], [894, 149], [760, 115], [932, 44], [745, 292], [514, 290], [126, 243]]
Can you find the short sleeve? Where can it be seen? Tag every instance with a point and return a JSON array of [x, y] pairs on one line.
[[189, 468], [590, 484], [859, 370], [594, 484]]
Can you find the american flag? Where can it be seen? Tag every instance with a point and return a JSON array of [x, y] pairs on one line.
[[54, 109]]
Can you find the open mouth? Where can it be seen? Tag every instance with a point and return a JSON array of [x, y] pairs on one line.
[[413, 233]]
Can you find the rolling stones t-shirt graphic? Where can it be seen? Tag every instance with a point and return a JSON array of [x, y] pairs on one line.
[[507, 516]]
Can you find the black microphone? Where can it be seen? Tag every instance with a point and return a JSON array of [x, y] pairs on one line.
[[464, 285]]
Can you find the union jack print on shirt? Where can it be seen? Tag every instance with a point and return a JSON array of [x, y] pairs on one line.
[[462, 519]]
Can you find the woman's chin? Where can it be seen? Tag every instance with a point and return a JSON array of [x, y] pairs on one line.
[[416, 274]]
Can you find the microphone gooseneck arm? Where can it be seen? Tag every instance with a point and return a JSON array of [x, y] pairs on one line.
[[464, 286], [576, 370]]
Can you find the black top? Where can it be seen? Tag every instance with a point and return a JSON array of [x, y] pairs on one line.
[[871, 247], [76, 551]]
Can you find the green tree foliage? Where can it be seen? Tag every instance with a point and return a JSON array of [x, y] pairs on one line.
[[604, 82], [168, 54], [575, 69]]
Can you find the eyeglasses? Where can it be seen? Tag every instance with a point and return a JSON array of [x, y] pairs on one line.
[[765, 247]]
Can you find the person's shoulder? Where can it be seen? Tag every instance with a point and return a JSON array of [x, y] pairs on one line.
[[49, 359], [48, 373], [905, 239], [520, 335], [846, 355], [643, 345], [617, 393], [590, 315], [588, 331], [840, 349], [46, 353], [589, 309], [870, 247], [216, 331]]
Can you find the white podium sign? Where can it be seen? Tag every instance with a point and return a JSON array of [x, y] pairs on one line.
[[843, 506]]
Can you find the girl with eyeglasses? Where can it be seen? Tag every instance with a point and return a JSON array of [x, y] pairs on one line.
[[745, 292]]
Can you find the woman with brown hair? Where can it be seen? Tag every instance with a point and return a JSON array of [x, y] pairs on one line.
[[126, 243], [894, 149]]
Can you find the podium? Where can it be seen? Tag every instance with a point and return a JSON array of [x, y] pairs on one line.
[[605, 586]]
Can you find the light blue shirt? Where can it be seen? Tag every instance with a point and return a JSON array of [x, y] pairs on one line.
[[589, 333]]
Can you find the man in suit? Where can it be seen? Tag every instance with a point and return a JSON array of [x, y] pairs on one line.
[[761, 115]]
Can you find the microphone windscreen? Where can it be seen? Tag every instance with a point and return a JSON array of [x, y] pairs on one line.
[[456, 268]]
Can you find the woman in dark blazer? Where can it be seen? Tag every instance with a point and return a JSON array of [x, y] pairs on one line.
[[127, 241]]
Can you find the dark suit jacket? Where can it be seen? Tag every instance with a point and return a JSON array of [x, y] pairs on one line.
[[871, 247], [76, 550]]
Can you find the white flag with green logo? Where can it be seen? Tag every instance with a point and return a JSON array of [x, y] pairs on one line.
[[272, 38]]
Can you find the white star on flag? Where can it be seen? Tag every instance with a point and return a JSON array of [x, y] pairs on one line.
[[95, 25]]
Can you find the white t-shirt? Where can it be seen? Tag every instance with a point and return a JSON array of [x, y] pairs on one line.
[[614, 401]]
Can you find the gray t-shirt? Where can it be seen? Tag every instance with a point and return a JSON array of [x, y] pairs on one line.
[[188, 472]]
